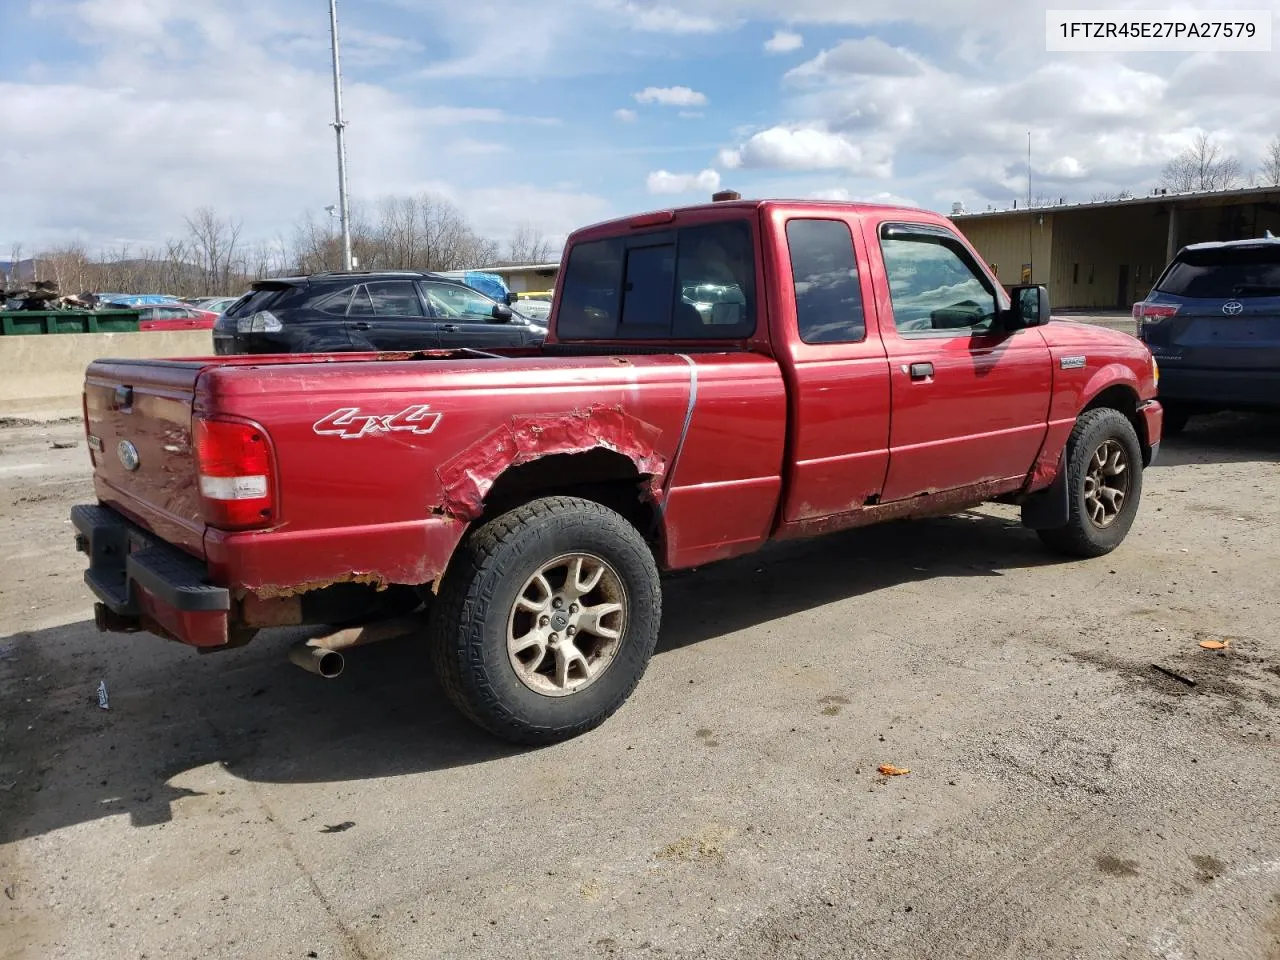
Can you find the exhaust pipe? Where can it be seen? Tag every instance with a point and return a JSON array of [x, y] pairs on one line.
[[317, 660]]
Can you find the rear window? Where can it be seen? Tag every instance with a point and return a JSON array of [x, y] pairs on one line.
[[1222, 274], [255, 301], [692, 283]]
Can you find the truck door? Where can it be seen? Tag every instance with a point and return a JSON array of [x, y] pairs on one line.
[[837, 371], [970, 401]]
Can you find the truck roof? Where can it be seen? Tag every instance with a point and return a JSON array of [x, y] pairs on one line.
[[628, 222]]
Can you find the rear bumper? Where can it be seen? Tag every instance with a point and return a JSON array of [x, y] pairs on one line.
[[1223, 388], [147, 584]]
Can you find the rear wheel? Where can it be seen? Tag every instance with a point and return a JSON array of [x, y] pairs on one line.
[[546, 620], [1104, 485]]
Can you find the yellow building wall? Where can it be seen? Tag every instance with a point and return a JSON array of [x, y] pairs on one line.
[[1011, 241], [1106, 259]]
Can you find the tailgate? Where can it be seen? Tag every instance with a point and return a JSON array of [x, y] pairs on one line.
[[139, 424], [1235, 334]]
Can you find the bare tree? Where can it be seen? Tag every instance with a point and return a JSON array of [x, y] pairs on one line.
[[1106, 196], [1202, 166], [1269, 173], [529, 245], [418, 232], [214, 241]]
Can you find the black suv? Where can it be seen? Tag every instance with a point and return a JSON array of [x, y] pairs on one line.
[[384, 310]]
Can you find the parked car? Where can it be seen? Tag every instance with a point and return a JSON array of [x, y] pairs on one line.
[[1212, 322], [136, 299], [175, 316], [212, 304], [867, 367], [537, 311], [342, 312]]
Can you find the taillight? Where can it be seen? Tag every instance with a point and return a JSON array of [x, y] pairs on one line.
[[264, 321], [236, 469], [1148, 312]]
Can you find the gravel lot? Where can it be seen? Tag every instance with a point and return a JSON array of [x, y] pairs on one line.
[[1065, 799]]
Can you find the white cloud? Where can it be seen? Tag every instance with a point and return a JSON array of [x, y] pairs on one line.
[[1066, 168], [671, 97], [796, 148], [245, 130], [868, 56], [661, 18], [661, 181], [845, 195], [783, 41], [625, 115]]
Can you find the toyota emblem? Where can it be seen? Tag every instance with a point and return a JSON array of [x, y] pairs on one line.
[[128, 455], [1233, 308]]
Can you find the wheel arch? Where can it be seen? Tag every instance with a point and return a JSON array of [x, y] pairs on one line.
[[1115, 387]]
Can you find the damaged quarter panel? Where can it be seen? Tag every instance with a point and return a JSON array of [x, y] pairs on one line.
[[405, 451]]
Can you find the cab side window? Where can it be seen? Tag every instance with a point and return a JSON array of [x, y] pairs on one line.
[[825, 275], [934, 285]]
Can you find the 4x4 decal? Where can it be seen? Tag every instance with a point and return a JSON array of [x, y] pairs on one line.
[[350, 424]]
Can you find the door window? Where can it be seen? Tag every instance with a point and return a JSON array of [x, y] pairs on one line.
[[394, 298], [934, 286], [453, 301], [336, 303], [825, 275]]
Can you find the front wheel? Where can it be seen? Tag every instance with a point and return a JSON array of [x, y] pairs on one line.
[[546, 620], [1104, 485]]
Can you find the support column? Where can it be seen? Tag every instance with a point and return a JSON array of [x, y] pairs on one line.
[[1171, 243]]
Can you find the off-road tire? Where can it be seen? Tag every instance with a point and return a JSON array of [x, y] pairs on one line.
[[1081, 536], [468, 625]]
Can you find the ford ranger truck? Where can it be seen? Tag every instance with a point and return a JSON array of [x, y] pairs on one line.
[[715, 377]]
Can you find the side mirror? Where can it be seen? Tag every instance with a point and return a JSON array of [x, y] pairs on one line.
[[512, 297], [502, 313], [1030, 307]]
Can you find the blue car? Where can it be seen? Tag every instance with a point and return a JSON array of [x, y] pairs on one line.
[[1212, 322]]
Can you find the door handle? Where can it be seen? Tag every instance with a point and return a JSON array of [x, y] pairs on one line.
[[448, 328], [920, 371], [362, 325]]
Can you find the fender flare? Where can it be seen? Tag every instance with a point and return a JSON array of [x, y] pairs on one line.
[[1111, 375]]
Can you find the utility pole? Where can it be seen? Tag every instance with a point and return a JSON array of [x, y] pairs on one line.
[[1031, 239], [339, 127]]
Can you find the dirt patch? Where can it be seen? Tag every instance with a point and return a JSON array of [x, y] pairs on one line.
[[1115, 867], [1208, 868]]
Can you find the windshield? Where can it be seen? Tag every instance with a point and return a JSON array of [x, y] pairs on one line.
[[1224, 273]]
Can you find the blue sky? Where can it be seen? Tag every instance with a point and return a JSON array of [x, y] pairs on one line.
[[124, 115]]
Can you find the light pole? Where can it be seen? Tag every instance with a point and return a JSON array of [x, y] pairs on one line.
[[339, 126]]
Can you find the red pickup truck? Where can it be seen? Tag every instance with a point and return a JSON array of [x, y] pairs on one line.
[[715, 377]]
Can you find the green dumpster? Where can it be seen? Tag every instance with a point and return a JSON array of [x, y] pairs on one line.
[[28, 322]]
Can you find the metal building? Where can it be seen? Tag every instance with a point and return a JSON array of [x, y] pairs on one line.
[[1105, 255]]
